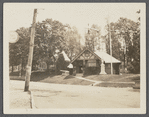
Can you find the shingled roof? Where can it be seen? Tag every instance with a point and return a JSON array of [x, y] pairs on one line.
[[106, 57], [65, 56]]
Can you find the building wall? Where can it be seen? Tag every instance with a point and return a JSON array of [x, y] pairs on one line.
[[115, 68], [78, 64], [92, 70], [108, 68]]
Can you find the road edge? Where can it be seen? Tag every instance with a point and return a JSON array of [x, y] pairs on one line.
[[32, 103]]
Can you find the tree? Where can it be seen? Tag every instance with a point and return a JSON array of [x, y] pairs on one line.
[[125, 38], [50, 36], [18, 52], [134, 49], [92, 37], [47, 40], [116, 43], [73, 42], [13, 56]]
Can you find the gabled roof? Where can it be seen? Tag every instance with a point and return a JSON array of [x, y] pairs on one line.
[[100, 55], [65, 56], [106, 57], [70, 65], [82, 53]]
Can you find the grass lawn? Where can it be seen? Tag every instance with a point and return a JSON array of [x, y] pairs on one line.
[[115, 78], [125, 80], [56, 79], [122, 85]]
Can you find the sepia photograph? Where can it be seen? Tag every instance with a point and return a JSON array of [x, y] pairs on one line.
[[74, 58]]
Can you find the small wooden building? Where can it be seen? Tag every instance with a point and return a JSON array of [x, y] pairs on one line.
[[89, 62], [62, 62]]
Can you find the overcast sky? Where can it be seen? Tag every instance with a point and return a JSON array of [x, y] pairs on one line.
[[18, 15]]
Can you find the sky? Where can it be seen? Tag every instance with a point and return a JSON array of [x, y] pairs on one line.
[[18, 15]]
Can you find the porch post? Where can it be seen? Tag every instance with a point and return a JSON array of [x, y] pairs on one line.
[[83, 67], [102, 68], [74, 70]]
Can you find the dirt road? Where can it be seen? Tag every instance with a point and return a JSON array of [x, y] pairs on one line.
[[72, 96], [47, 95]]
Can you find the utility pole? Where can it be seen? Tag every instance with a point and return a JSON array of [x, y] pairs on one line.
[[110, 47], [125, 59], [30, 57], [111, 52]]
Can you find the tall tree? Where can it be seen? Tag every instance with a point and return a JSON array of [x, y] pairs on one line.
[[123, 35], [116, 43], [73, 42], [134, 48], [92, 36], [18, 52], [49, 36]]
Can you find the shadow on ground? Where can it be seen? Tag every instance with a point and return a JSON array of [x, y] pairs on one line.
[[35, 76], [38, 76], [69, 77]]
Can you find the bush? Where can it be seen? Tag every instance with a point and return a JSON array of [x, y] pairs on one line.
[[134, 67]]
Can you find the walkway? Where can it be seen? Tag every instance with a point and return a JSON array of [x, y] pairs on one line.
[[95, 82], [98, 82]]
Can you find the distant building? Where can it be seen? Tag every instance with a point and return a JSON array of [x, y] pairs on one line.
[[62, 62]]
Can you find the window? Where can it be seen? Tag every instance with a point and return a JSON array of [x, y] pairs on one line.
[[92, 63]]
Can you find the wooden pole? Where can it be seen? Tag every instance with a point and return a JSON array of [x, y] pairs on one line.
[[111, 53], [110, 47], [30, 57], [83, 67]]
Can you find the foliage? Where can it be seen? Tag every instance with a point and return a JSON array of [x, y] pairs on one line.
[[50, 36], [73, 42], [18, 52], [134, 53], [92, 36], [61, 64], [125, 35]]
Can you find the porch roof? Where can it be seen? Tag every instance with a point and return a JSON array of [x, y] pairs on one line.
[[106, 57], [65, 56], [82, 53]]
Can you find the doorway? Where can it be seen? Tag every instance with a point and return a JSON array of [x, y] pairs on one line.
[[80, 69], [79, 66]]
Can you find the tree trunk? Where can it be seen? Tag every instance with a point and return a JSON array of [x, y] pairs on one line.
[[47, 66], [124, 63], [21, 66]]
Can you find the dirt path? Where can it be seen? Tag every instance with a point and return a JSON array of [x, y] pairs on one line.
[[95, 82], [98, 82]]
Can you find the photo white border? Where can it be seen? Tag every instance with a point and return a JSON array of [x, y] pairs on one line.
[[141, 110]]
